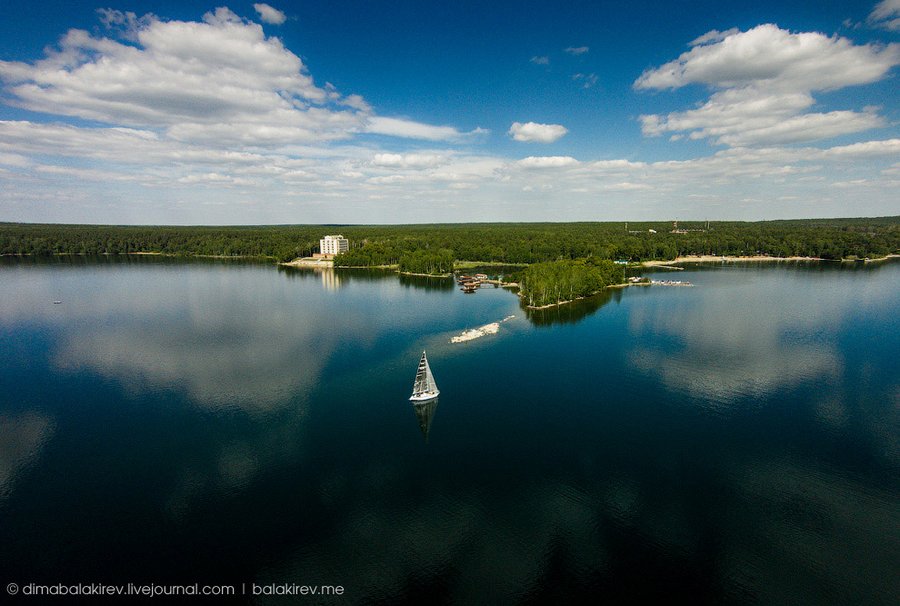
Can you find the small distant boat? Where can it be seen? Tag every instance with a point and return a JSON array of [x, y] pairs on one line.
[[57, 302], [424, 387]]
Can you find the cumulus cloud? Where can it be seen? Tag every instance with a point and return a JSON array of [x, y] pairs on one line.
[[577, 50], [269, 14], [540, 60], [219, 81], [739, 117], [777, 58], [763, 81], [399, 127], [886, 15], [547, 162], [532, 132], [186, 77]]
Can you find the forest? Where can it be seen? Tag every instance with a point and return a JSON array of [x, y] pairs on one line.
[[437, 263], [377, 245], [553, 282]]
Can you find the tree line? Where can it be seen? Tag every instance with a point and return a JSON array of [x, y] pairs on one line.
[[375, 245], [281, 243]]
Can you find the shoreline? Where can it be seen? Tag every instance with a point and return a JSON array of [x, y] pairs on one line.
[[329, 264], [138, 253], [593, 294], [875, 260], [410, 273]]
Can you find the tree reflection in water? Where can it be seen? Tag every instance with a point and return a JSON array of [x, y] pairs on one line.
[[570, 313]]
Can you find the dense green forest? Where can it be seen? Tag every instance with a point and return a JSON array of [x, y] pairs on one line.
[[407, 259], [437, 262], [552, 282], [488, 242]]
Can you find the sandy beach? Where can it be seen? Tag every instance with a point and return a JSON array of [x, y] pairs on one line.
[[310, 262], [720, 259]]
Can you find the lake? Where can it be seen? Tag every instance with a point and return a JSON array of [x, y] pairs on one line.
[[235, 423]]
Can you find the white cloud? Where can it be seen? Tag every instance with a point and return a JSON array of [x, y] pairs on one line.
[[577, 50], [887, 147], [532, 132], [398, 127], [220, 81], [387, 179], [547, 162], [187, 77], [408, 160], [67, 170], [739, 117], [886, 15], [52, 160], [616, 165], [713, 36], [764, 79], [540, 60], [780, 60], [214, 179], [587, 80], [269, 15], [14, 160]]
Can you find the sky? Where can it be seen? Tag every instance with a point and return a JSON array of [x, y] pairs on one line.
[[365, 112]]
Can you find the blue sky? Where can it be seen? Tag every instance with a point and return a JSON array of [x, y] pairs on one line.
[[363, 112]]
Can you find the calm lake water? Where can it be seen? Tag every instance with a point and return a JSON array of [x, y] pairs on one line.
[[230, 423]]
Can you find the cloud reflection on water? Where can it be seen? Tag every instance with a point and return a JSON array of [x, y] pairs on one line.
[[776, 338], [223, 346]]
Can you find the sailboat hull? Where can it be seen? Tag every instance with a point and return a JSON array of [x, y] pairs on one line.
[[424, 397]]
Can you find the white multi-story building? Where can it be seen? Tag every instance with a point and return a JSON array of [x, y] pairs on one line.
[[333, 245]]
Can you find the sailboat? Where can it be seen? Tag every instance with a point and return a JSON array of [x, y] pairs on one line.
[[424, 388]]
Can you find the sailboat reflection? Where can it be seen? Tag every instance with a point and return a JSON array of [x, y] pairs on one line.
[[425, 414]]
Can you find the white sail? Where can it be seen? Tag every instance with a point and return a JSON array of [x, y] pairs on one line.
[[424, 387]]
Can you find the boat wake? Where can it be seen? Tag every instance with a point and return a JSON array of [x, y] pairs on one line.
[[476, 333]]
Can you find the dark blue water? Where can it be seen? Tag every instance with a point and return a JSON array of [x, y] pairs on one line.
[[169, 422]]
